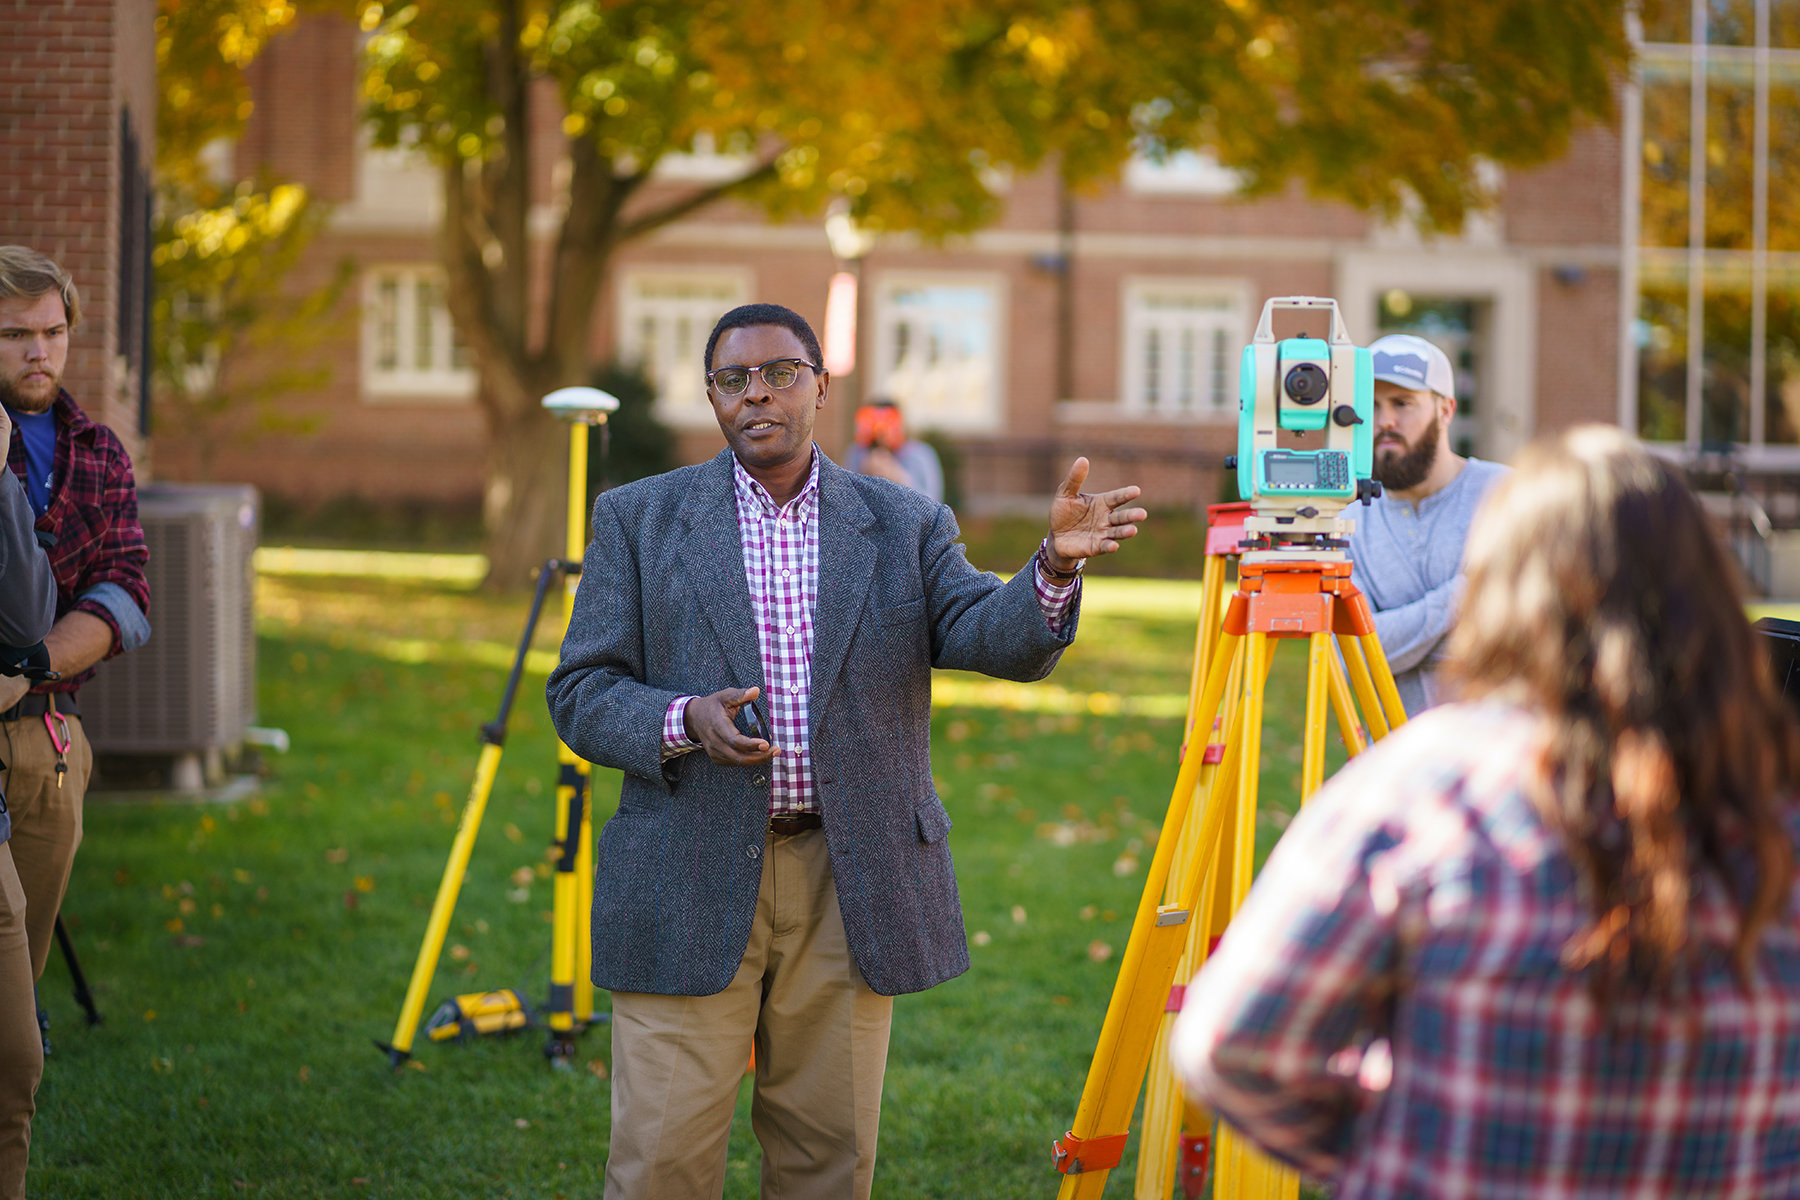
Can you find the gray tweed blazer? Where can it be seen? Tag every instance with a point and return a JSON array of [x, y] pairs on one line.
[[663, 610]]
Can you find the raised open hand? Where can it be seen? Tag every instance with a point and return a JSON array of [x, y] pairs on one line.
[[1082, 526]]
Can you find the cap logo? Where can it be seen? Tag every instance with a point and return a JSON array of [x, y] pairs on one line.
[[1412, 366]]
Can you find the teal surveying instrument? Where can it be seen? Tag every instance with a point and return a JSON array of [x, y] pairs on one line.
[[1320, 394], [1305, 453], [570, 1009]]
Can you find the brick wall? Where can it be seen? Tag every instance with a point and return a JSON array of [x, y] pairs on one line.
[[304, 124], [1577, 349], [61, 108], [1571, 201]]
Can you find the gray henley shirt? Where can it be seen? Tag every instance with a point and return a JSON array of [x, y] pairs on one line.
[[1408, 562]]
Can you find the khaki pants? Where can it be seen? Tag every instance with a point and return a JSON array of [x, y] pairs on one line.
[[46, 820], [821, 1051], [21, 1048]]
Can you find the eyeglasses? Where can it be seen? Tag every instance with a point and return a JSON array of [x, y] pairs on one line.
[[777, 373]]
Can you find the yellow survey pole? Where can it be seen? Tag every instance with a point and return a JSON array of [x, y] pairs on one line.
[[439, 925], [571, 990], [571, 1004]]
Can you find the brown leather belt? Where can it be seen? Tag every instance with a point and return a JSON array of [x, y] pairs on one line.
[[798, 823], [36, 704]]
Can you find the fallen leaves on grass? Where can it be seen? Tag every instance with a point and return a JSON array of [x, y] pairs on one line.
[[1098, 951], [162, 1066], [337, 855], [597, 1069], [305, 1075], [1018, 914], [459, 953], [190, 940], [983, 937], [521, 1122], [365, 883]]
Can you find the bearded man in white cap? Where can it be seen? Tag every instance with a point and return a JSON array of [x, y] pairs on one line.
[[1408, 545]]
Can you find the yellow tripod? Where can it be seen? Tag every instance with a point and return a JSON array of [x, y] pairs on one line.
[[571, 1005], [1205, 858]]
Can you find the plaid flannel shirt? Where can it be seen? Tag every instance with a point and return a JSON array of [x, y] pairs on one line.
[[781, 566], [1389, 1009], [94, 518]]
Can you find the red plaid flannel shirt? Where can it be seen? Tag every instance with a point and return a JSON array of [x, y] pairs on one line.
[[94, 517]]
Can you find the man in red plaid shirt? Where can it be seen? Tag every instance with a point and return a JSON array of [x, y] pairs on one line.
[[78, 481]]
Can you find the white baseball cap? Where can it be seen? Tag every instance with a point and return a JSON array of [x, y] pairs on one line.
[[1409, 361]]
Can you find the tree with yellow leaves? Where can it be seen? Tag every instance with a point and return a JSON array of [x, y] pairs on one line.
[[228, 338], [901, 111]]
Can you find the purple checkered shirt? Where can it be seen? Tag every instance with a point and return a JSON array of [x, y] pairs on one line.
[[781, 567]]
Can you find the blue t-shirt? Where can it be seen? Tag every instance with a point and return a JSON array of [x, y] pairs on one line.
[[39, 433]]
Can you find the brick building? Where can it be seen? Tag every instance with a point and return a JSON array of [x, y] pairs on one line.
[[1105, 324], [77, 129]]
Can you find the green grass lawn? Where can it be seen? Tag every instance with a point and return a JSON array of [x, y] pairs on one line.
[[245, 954]]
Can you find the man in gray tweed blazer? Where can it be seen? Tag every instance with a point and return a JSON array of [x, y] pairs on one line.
[[752, 644]]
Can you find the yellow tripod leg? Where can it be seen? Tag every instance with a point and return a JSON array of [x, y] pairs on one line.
[[571, 798], [1318, 696], [584, 903], [1367, 698], [1243, 1172], [1159, 1150], [1343, 707], [1395, 711], [1158, 934], [439, 925], [1206, 632]]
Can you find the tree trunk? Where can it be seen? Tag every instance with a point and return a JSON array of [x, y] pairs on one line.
[[525, 497]]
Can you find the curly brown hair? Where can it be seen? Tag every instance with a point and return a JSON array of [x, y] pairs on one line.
[[1598, 595]]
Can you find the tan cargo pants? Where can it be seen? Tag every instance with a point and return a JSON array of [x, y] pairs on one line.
[[21, 1047], [46, 820], [821, 1053]]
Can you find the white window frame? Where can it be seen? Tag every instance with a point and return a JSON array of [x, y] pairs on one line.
[[442, 381], [924, 395], [1182, 173], [1220, 329], [678, 376]]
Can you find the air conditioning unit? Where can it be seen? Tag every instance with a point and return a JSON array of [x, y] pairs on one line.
[[190, 691]]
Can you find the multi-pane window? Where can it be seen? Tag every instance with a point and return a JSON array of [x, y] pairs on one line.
[[409, 343], [1182, 340], [1717, 323], [664, 318], [938, 349]]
